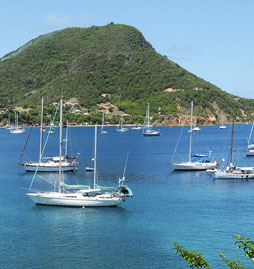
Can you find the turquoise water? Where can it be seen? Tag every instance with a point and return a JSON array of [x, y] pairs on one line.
[[187, 207]]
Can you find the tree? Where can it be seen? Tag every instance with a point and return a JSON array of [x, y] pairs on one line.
[[246, 244], [232, 264], [196, 260]]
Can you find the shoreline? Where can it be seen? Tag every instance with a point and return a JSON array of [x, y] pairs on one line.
[[129, 125]]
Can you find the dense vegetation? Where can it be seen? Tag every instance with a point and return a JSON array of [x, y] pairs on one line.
[[84, 63], [196, 260]]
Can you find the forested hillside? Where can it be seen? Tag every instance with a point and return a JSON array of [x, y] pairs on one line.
[[113, 65]]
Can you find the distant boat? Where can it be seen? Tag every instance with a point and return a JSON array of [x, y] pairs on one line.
[[196, 161], [147, 129], [89, 169], [195, 128], [8, 125], [52, 129], [103, 131], [231, 171], [120, 127], [49, 164], [83, 195], [17, 129], [222, 126], [250, 146], [136, 128]]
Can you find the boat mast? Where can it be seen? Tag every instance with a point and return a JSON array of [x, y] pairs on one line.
[[66, 139], [250, 133], [148, 115], [121, 122], [232, 142], [95, 156], [191, 132], [41, 130], [102, 124], [60, 145], [16, 119]]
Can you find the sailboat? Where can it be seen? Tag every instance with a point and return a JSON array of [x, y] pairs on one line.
[[52, 130], [49, 164], [135, 127], [120, 127], [196, 161], [8, 124], [222, 126], [147, 130], [195, 127], [231, 171], [84, 196], [103, 131], [250, 147], [17, 129]]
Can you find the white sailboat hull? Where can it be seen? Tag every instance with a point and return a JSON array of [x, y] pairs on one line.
[[194, 129], [223, 127], [194, 166], [151, 133], [122, 130], [32, 167], [250, 153], [17, 131], [74, 200], [250, 150], [232, 175]]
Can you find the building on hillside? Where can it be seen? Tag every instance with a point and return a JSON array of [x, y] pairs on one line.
[[3, 110], [71, 104], [126, 115], [106, 95], [173, 90], [102, 111]]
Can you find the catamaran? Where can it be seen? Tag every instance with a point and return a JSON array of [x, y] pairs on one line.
[[196, 161], [81, 195]]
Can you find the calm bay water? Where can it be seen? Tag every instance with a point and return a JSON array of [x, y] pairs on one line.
[[187, 207]]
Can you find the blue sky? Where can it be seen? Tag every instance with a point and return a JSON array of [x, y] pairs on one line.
[[214, 39]]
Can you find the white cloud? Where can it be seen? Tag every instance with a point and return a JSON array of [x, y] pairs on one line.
[[65, 20], [56, 19]]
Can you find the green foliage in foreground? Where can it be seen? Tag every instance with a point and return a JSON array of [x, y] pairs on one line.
[[246, 244], [192, 257], [232, 264], [196, 260]]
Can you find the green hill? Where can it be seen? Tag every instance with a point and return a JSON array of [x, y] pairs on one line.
[[116, 60]]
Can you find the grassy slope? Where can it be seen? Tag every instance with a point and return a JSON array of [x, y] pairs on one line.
[[116, 59]]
